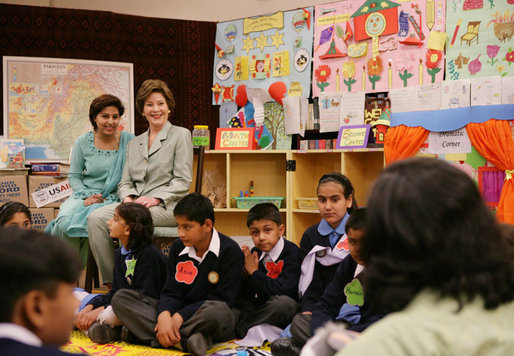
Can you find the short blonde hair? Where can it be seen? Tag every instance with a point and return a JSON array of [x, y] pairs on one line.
[[150, 86]]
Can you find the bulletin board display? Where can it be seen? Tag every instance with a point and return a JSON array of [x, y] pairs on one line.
[[480, 42], [259, 51], [377, 45]]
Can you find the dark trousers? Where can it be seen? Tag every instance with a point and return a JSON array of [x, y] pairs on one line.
[[214, 319], [301, 328], [278, 311]]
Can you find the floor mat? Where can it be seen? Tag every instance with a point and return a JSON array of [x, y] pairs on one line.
[[79, 343]]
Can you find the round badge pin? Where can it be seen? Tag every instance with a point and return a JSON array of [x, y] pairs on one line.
[[321, 253], [213, 277]]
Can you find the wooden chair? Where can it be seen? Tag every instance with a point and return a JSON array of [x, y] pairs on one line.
[[163, 236], [472, 33]]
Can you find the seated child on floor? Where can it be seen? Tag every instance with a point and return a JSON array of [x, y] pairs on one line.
[[195, 304], [15, 214], [324, 246], [138, 266], [269, 290], [37, 306], [344, 298]]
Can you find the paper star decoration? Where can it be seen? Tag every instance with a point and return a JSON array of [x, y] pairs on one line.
[[248, 44], [262, 42], [277, 39]]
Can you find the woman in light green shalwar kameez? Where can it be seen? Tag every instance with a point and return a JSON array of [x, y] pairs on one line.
[[96, 165]]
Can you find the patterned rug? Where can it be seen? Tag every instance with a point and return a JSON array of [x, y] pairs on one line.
[[79, 343]]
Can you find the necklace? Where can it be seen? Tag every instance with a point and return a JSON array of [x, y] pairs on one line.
[[103, 145]]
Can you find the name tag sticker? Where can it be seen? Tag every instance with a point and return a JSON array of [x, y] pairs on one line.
[[274, 269], [354, 293], [186, 272]]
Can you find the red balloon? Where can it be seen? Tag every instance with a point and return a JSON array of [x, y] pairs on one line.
[[241, 97], [277, 91]]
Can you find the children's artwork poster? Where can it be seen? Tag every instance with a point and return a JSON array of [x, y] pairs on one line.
[[479, 42], [259, 51], [376, 45]]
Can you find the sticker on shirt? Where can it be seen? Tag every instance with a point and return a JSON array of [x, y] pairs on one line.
[[343, 244], [213, 277], [274, 269], [321, 253], [354, 293], [131, 266], [186, 272]]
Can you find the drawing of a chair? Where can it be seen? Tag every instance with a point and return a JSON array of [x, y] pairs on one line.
[[472, 33]]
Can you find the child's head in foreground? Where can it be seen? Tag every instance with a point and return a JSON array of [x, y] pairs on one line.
[[39, 273], [355, 228], [132, 224], [336, 197], [429, 228], [265, 225], [194, 215], [16, 214]]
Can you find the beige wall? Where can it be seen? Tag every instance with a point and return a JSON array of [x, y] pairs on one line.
[[201, 10]]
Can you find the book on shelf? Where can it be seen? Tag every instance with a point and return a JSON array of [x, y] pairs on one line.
[[50, 168]]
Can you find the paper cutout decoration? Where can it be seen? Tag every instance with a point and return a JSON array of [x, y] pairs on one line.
[[430, 14], [333, 52], [301, 59], [242, 71], [381, 125], [375, 18], [230, 32], [241, 97], [322, 73], [277, 91], [343, 245], [221, 52], [274, 269], [298, 41], [224, 69], [260, 67], [263, 23], [298, 21], [248, 44], [281, 64], [307, 16], [227, 93], [296, 89], [262, 42], [186, 272], [326, 35], [433, 58], [403, 22], [216, 89], [358, 50], [276, 39], [416, 38]]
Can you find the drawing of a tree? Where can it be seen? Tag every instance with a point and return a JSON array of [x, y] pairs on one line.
[[274, 121]]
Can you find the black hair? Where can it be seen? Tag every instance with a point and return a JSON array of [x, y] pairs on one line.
[[32, 260], [264, 211], [195, 207], [429, 228], [10, 208], [357, 220], [341, 179], [139, 220], [101, 102]]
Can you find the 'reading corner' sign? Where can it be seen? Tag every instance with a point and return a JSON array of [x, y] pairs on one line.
[[52, 193]]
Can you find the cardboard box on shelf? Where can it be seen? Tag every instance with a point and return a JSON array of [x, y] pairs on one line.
[[41, 217], [40, 182], [13, 188]]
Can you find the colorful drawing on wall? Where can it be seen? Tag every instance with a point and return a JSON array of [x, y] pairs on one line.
[[265, 49], [385, 43], [481, 39]]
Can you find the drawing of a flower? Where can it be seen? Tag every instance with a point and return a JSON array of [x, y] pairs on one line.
[[509, 56], [348, 74], [500, 68], [432, 58], [405, 67], [349, 69], [375, 66], [492, 52], [322, 73]]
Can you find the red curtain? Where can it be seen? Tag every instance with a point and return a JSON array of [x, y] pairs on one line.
[[403, 142], [493, 140]]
